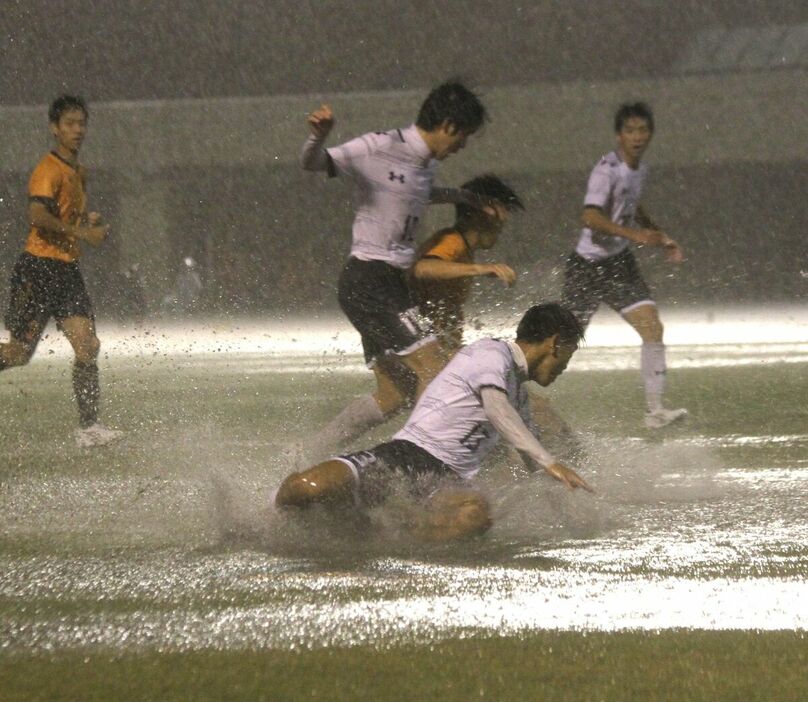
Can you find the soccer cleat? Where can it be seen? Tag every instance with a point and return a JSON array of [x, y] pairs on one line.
[[662, 417], [96, 435]]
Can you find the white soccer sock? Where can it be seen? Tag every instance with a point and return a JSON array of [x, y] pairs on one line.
[[652, 365], [359, 415]]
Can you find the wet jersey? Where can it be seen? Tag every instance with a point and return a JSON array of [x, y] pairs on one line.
[[445, 296], [60, 187], [614, 188], [393, 173], [449, 420]]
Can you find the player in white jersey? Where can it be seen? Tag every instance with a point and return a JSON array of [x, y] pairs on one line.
[[479, 396], [393, 175], [603, 269]]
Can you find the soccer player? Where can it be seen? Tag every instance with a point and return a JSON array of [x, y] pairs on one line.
[[479, 396], [393, 174], [443, 275], [445, 267], [46, 281], [603, 269]]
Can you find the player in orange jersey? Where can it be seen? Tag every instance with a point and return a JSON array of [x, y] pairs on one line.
[[446, 265], [46, 281]]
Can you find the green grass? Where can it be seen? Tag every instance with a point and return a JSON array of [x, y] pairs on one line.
[[670, 665]]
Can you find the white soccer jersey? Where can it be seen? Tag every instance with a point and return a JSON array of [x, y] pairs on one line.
[[615, 188], [449, 421], [393, 173]]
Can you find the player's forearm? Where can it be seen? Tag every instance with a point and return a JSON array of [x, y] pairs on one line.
[[438, 269], [509, 424], [594, 219], [313, 156]]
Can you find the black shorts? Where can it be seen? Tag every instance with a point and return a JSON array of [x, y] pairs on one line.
[[616, 280], [377, 299], [42, 288], [377, 468]]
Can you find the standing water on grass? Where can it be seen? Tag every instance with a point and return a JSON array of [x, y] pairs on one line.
[[166, 541]]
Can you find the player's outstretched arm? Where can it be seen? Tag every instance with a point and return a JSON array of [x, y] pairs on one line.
[[439, 269], [509, 424], [594, 218]]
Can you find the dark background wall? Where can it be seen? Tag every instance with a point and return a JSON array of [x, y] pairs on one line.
[[135, 50], [269, 237]]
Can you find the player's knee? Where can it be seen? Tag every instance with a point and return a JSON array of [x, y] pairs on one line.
[[325, 483], [87, 349], [473, 515], [295, 491], [15, 354]]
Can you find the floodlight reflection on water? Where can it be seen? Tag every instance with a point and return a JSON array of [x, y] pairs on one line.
[[744, 335]]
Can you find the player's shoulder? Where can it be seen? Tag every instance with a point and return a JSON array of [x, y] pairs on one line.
[[48, 172], [488, 347], [49, 163], [608, 162], [383, 140], [446, 243]]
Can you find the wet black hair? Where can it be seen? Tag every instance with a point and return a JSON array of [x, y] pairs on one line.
[[633, 109], [491, 187], [454, 102], [540, 322], [63, 104]]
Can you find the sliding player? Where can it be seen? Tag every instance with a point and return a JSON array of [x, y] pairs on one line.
[[477, 397]]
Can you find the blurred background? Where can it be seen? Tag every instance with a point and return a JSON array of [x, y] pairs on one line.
[[198, 113]]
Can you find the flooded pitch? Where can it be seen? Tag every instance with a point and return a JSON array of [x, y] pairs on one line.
[[165, 542]]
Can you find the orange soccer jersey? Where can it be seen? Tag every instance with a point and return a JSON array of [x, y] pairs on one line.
[[60, 187], [442, 300]]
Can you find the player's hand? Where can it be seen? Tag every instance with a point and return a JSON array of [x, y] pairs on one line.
[[93, 235], [673, 252], [321, 121], [502, 271], [94, 219], [568, 476]]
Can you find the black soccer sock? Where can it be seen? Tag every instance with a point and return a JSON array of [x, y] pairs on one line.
[[86, 391]]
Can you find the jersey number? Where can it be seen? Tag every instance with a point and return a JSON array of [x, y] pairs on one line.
[[475, 437]]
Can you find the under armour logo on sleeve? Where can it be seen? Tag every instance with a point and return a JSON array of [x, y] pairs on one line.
[[394, 176]]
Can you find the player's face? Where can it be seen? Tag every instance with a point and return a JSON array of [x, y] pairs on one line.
[[546, 370], [489, 233], [633, 139], [70, 130], [449, 140]]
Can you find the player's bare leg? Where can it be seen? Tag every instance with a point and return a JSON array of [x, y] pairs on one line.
[[330, 482], [15, 353], [399, 382], [645, 320], [426, 362], [453, 513], [80, 332]]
